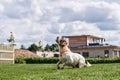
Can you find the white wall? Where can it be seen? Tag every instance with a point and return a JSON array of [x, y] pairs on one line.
[[46, 54], [100, 52]]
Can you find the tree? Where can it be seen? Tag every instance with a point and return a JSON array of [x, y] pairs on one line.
[[40, 46], [33, 47], [53, 47], [22, 47], [11, 39], [47, 47]]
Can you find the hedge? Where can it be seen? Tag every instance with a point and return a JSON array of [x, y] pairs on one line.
[[103, 60], [36, 60], [55, 60]]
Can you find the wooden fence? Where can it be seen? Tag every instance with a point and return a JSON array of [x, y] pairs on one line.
[[6, 54]]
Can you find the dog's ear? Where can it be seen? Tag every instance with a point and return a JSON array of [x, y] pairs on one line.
[[57, 39], [66, 43]]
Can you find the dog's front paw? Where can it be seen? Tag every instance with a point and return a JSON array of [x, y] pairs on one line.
[[58, 67], [62, 68]]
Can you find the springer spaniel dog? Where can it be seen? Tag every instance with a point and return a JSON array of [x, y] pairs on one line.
[[68, 58]]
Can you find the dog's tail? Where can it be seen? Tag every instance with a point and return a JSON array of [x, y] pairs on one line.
[[87, 64]]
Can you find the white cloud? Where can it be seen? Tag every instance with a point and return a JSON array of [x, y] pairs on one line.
[[34, 20], [73, 28], [1, 8], [6, 1]]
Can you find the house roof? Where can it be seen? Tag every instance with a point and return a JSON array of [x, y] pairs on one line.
[[24, 53]]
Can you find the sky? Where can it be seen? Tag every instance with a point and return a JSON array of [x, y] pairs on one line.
[[32, 21]]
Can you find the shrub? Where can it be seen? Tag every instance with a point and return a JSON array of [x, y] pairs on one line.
[[20, 60], [103, 60], [38, 60]]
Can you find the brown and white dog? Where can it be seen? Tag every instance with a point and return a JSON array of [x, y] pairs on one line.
[[68, 58]]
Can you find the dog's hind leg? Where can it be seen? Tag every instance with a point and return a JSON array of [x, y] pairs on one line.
[[63, 65], [87, 64], [58, 64], [77, 66], [73, 66]]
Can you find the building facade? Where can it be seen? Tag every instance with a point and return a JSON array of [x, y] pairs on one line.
[[92, 46], [6, 54], [47, 54]]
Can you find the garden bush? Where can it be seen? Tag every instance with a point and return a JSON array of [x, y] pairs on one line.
[[38, 60], [20, 60], [103, 60]]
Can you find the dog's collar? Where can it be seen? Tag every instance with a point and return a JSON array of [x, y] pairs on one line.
[[63, 52]]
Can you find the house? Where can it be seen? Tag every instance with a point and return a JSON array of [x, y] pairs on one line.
[[92, 46], [6, 53], [47, 54]]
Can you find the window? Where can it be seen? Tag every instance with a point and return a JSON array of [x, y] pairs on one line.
[[106, 53], [85, 54], [119, 53], [115, 53], [44, 55], [56, 55]]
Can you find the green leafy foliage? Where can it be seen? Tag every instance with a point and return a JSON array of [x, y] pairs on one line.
[[103, 60], [22, 47], [33, 47], [53, 47], [11, 39], [20, 60], [38, 47], [38, 60], [47, 47]]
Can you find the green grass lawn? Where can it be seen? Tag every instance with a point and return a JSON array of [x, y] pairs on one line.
[[49, 72]]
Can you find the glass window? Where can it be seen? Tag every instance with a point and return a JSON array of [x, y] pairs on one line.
[[106, 53], [85, 54], [115, 52]]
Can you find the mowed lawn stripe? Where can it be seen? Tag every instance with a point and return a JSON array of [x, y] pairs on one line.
[[49, 72]]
